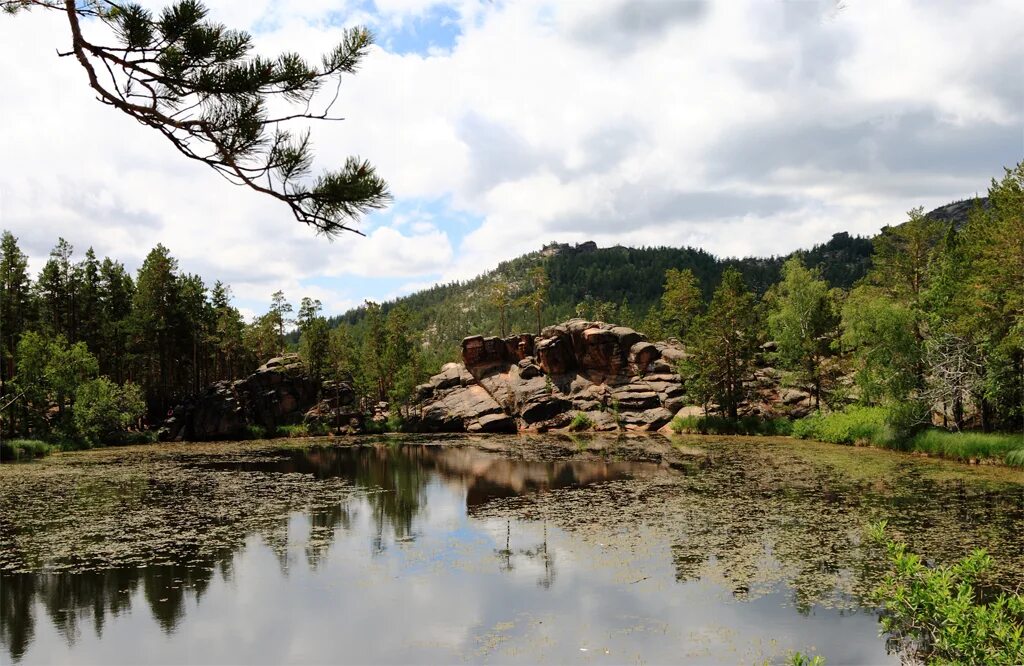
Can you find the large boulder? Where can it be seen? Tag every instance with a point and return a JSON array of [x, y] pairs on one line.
[[278, 393], [555, 354], [482, 355]]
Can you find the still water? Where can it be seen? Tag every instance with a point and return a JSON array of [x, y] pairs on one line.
[[463, 550]]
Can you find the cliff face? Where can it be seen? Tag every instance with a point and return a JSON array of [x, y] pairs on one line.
[[524, 382]]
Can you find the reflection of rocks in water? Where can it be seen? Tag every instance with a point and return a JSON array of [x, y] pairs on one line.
[[758, 516], [748, 518], [401, 474]]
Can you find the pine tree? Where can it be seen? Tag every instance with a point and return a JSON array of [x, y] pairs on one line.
[[723, 344], [680, 302], [56, 292], [156, 326], [116, 291], [198, 84], [15, 304], [314, 337], [278, 314], [88, 306]]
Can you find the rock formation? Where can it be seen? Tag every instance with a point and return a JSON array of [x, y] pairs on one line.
[[612, 374], [279, 392]]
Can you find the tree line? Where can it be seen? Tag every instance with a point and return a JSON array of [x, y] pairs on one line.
[[935, 325], [89, 352]]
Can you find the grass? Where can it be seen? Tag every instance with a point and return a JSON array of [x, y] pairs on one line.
[[971, 445], [717, 425], [580, 422], [25, 449], [874, 426], [302, 430]]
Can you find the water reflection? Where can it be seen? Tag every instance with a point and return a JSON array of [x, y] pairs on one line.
[[455, 553]]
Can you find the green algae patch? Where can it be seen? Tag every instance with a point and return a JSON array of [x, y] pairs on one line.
[[145, 506]]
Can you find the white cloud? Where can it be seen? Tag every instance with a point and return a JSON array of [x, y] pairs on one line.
[[545, 121]]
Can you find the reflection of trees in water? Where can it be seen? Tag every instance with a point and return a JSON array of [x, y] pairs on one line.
[[538, 552], [753, 519], [398, 476], [71, 600]]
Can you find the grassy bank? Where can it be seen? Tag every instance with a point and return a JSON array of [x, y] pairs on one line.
[[874, 426], [717, 425], [25, 449], [29, 448]]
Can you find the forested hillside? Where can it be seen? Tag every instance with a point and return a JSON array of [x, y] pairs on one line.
[[89, 351], [619, 284]]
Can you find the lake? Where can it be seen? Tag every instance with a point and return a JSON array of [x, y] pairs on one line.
[[455, 549]]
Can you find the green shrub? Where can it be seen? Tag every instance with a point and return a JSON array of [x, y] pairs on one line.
[[941, 611], [104, 410], [254, 432], [395, 422], [800, 659], [718, 425], [25, 449], [808, 427], [853, 425], [894, 428], [580, 422], [685, 425], [292, 430]]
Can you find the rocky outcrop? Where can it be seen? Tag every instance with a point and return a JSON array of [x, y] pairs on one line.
[[338, 410], [612, 374], [278, 393]]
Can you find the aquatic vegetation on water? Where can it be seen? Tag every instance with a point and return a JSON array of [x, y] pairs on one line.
[[748, 524], [144, 505]]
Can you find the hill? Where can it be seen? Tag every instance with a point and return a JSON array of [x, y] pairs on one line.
[[615, 283]]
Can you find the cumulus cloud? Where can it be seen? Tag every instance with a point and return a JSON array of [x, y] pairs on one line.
[[743, 127]]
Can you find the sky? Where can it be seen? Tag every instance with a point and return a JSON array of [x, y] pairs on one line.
[[745, 128]]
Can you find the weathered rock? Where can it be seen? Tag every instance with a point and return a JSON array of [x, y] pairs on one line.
[[279, 392], [627, 336], [555, 354], [642, 355], [481, 355], [541, 382], [519, 346]]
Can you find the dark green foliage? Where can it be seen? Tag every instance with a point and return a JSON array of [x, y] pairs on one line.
[[617, 284], [944, 612], [161, 333], [723, 343]]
